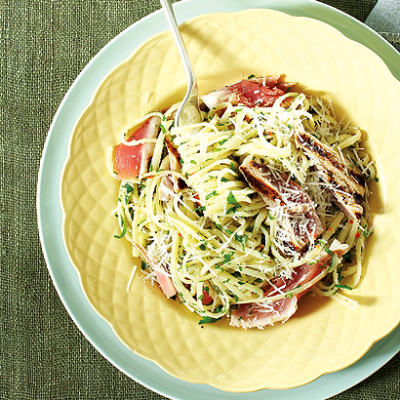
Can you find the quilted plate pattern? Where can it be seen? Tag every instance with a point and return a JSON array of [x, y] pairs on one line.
[[323, 336]]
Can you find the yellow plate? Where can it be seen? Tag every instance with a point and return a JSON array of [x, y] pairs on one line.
[[323, 336]]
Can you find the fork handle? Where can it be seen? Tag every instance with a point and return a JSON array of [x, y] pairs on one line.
[[188, 111]]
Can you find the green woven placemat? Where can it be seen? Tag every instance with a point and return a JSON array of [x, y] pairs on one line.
[[44, 45]]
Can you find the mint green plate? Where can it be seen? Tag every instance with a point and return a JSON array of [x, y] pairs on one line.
[[65, 278]]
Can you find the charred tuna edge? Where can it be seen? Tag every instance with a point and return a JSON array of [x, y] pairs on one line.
[[260, 315], [174, 164], [133, 161], [300, 220], [171, 183], [346, 185]]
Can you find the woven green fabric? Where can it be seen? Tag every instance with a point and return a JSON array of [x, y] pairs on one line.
[[44, 46]]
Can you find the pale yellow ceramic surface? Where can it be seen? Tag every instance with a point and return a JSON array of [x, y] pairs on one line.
[[323, 336]]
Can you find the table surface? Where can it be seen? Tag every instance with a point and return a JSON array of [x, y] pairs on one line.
[[44, 46]]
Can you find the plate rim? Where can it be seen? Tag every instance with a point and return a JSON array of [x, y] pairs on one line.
[[268, 13], [45, 249]]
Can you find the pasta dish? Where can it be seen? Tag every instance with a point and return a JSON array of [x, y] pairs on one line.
[[243, 213]]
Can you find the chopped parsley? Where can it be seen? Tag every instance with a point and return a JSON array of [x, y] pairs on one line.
[[203, 246], [242, 239], [366, 232], [211, 194], [344, 287], [231, 199], [233, 168], [128, 188], [324, 265], [233, 209], [123, 233], [325, 248], [144, 265], [208, 320], [227, 257]]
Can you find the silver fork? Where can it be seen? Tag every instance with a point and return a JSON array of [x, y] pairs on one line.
[[188, 111]]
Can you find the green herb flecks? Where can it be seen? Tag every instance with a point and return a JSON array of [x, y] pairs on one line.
[[233, 209], [211, 194], [366, 232], [231, 199], [242, 239], [203, 246], [344, 287], [128, 188], [325, 248], [233, 168], [124, 230], [208, 320], [228, 257], [144, 265], [141, 186]]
